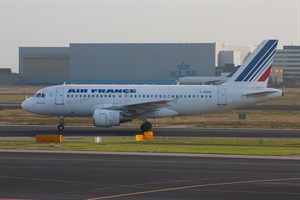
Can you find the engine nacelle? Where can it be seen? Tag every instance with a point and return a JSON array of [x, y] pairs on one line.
[[108, 118]]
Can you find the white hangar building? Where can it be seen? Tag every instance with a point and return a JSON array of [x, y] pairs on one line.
[[158, 63]]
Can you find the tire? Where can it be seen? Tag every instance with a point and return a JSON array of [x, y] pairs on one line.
[[145, 127], [150, 125]]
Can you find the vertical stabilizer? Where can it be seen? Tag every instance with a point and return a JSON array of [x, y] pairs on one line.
[[256, 69]]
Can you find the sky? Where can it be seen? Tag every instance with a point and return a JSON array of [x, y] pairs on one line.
[[51, 23]]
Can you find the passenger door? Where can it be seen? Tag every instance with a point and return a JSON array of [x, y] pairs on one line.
[[221, 96], [59, 96]]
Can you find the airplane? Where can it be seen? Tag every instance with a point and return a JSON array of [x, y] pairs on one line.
[[111, 105]]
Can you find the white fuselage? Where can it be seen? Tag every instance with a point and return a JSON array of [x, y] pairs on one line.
[[181, 100]]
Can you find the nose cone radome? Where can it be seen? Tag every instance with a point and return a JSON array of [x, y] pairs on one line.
[[25, 105]]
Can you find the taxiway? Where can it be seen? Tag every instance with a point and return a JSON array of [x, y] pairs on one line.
[[103, 176]]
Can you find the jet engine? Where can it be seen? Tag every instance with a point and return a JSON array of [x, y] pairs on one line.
[[108, 118]]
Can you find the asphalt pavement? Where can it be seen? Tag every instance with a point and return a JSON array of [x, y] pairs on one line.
[[13, 131], [104, 176]]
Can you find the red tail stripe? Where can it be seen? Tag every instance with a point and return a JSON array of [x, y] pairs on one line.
[[265, 75]]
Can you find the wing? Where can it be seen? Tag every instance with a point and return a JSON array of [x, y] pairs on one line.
[[138, 109]]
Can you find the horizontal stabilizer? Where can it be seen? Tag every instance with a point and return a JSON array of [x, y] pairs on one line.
[[259, 93]]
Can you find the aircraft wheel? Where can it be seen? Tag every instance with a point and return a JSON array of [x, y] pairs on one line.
[[150, 125], [146, 127]]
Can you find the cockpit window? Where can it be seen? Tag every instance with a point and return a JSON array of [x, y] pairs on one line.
[[40, 95]]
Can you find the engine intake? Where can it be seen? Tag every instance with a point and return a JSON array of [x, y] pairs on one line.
[[108, 118]]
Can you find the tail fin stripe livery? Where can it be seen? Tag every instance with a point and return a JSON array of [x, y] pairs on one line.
[[249, 67], [265, 75], [265, 65], [267, 49], [261, 66], [255, 63]]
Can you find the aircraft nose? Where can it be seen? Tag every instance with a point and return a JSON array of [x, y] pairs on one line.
[[25, 105]]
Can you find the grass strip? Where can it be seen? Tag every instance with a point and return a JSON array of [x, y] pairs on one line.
[[168, 145]]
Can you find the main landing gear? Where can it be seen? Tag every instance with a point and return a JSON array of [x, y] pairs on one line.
[[146, 126], [61, 127]]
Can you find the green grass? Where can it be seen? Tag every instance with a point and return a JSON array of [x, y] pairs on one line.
[[205, 141], [236, 146]]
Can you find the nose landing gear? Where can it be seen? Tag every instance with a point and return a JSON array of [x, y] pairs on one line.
[[61, 127]]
